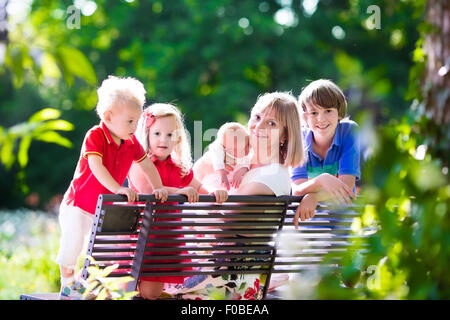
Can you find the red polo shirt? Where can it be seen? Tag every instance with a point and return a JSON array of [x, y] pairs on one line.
[[170, 173], [85, 188]]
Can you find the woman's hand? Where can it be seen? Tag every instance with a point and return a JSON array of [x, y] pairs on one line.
[[221, 195], [306, 208], [191, 194], [335, 188], [161, 194]]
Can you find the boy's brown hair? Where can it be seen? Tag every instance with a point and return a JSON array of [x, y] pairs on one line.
[[325, 94]]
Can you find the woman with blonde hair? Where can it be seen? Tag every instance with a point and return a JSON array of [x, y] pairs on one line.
[[276, 142]]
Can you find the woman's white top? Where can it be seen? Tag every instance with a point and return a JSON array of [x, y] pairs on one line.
[[274, 176]]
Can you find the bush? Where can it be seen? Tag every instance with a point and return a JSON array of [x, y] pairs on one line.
[[406, 197], [29, 242]]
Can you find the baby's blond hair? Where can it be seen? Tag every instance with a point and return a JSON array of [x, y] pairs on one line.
[[229, 126], [181, 154], [118, 91]]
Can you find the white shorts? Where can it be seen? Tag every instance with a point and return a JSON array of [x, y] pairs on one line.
[[76, 226]]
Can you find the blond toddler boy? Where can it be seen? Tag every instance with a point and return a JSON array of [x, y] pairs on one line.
[[107, 153]]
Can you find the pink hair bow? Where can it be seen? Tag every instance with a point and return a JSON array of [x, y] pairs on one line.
[[149, 119]]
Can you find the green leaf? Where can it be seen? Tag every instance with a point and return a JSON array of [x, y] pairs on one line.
[[49, 66], [45, 114], [75, 63], [90, 288], [22, 155], [93, 272], [61, 125], [6, 154], [103, 294], [54, 137], [106, 271], [14, 59]]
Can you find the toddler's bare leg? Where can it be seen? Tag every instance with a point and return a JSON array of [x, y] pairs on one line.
[[66, 272], [150, 290]]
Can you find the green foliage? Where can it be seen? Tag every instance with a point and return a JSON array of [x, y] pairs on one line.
[[28, 246], [41, 126], [205, 56], [29, 242], [100, 287], [38, 50], [406, 198], [73, 62], [211, 56], [411, 208]]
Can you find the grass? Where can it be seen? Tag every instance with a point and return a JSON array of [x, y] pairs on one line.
[[29, 242]]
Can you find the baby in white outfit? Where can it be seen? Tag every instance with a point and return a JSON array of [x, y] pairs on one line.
[[227, 159]]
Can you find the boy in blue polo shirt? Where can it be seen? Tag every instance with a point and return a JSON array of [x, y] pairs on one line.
[[332, 149]]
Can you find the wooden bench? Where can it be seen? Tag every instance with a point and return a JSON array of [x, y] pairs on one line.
[[240, 236]]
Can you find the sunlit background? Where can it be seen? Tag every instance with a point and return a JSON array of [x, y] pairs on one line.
[[212, 59]]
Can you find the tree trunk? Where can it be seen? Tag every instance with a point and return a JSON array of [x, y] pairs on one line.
[[436, 85], [3, 21], [435, 82]]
